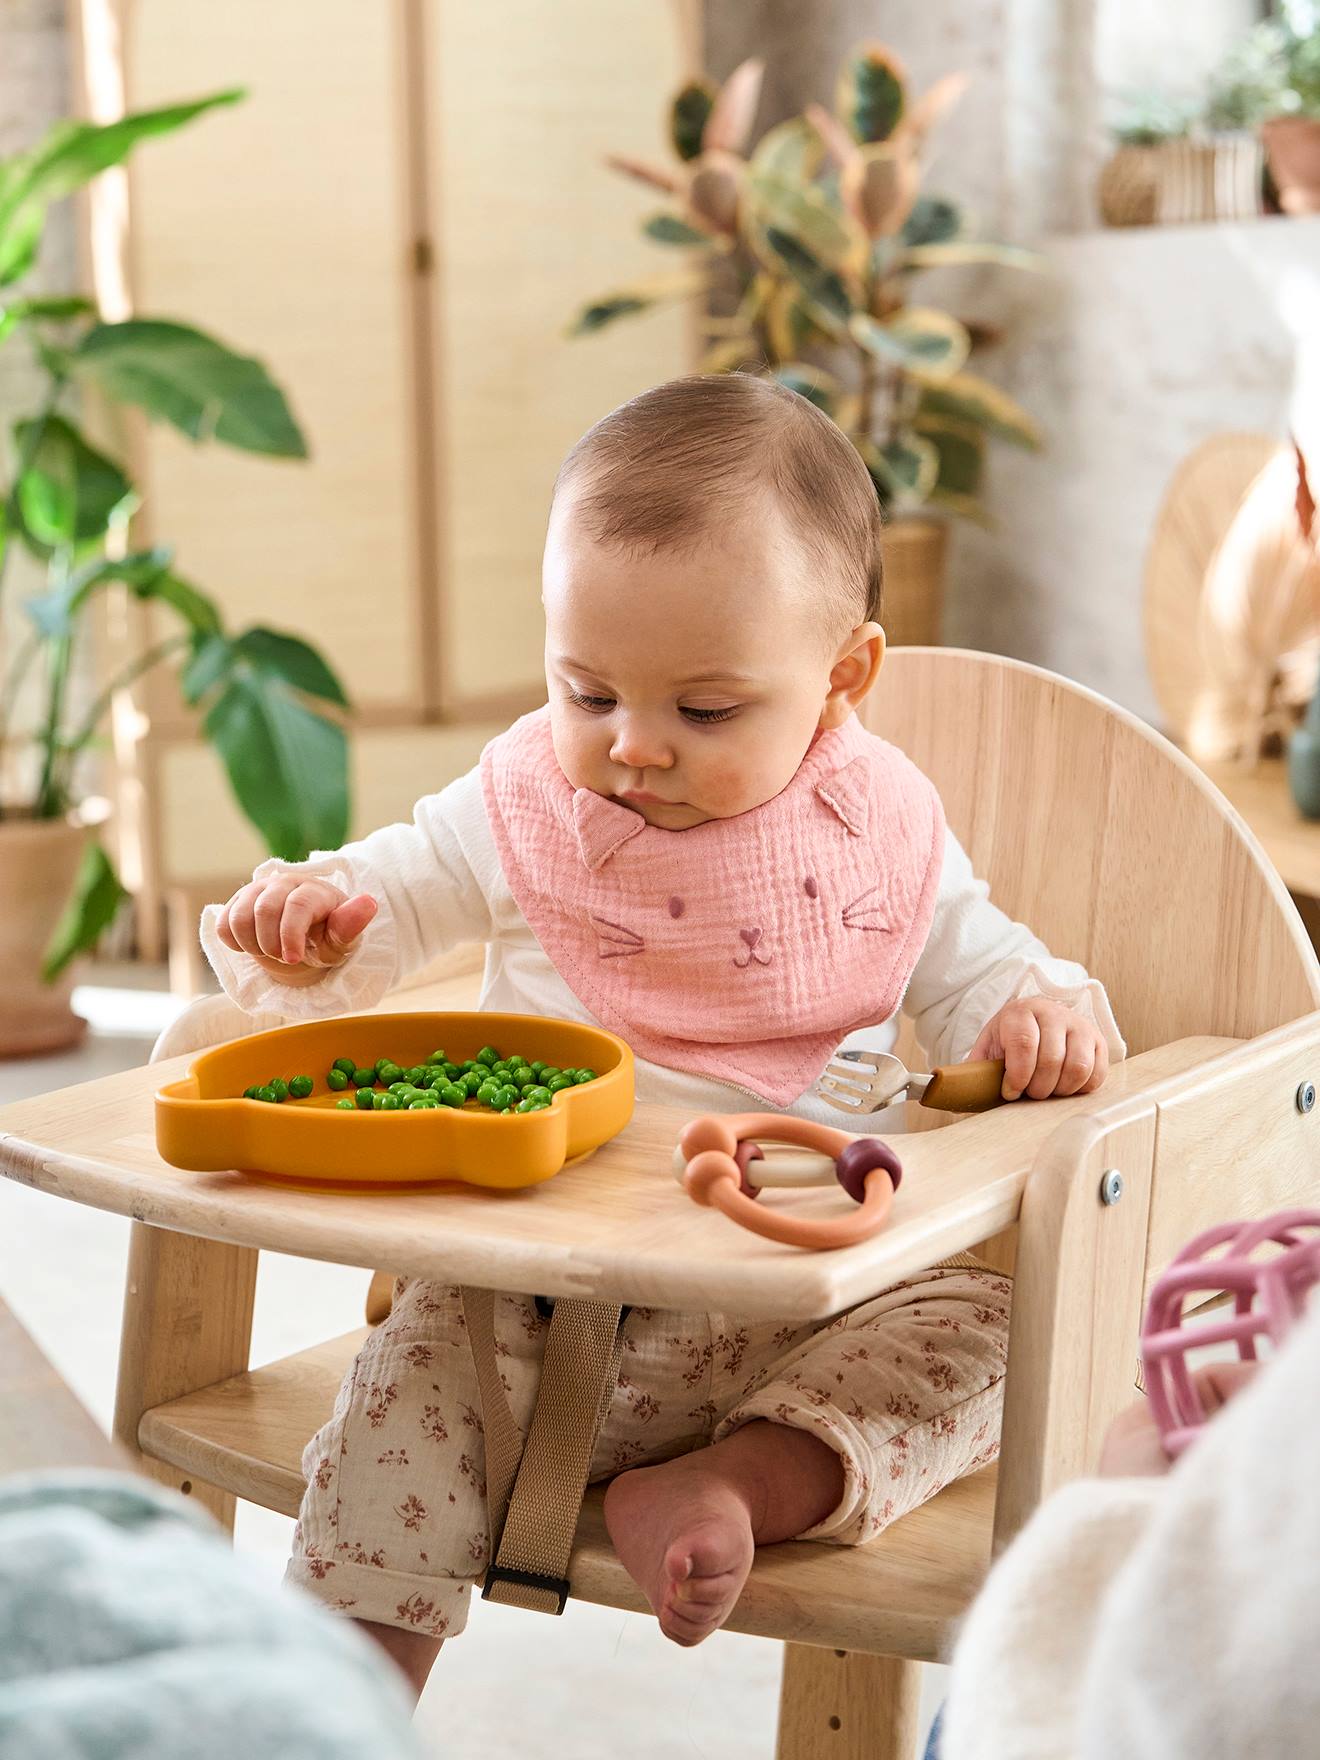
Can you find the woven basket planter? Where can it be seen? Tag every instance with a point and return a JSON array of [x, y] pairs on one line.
[[913, 610], [38, 861], [1177, 182]]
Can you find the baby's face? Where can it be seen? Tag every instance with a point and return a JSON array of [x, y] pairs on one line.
[[689, 687]]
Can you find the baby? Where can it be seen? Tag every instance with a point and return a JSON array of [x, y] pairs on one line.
[[697, 845]]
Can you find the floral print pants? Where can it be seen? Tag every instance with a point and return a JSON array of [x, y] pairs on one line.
[[906, 1388]]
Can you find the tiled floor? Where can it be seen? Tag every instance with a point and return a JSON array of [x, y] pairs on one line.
[[593, 1685]]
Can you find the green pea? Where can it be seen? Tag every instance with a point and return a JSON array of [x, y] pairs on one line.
[[252, 1092], [538, 1069], [527, 1106], [582, 1076], [471, 1084], [548, 1070], [540, 1093], [423, 1103], [344, 1105], [280, 1088], [266, 1093], [488, 1055], [451, 1070], [454, 1094], [388, 1072], [437, 1056], [557, 1084], [301, 1086], [345, 1065], [364, 1099], [505, 1097], [363, 1078], [336, 1080], [390, 1103], [486, 1090]]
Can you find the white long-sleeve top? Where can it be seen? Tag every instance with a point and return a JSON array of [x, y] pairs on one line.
[[439, 883], [1163, 1619]]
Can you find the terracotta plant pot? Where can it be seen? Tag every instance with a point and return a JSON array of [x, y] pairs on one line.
[[913, 610], [38, 862], [1293, 146]]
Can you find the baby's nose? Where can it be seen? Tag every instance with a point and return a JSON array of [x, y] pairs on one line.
[[750, 936]]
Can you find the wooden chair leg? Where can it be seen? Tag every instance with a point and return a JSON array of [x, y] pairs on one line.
[[187, 1323], [847, 1705]]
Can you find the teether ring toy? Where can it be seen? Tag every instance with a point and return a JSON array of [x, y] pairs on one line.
[[717, 1154], [1269, 1295]]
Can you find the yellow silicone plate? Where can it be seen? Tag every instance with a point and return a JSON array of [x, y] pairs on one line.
[[203, 1123]]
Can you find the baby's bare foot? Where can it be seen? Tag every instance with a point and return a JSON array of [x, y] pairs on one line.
[[685, 1536]]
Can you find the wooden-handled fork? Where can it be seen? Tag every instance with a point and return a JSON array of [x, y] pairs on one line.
[[867, 1081]]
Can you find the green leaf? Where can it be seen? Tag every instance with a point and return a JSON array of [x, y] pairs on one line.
[[212, 659], [20, 241], [193, 381], [604, 311], [932, 220], [963, 252], [671, 229], [911, 465], [825, 291], [69, 493], [817, 387], [970, 398], [54, 612], [917, 338], [829, 234], [871, 96], [293, 661], [24, 311], [287, 765], [789, 153], [688, 116], [961, 451], [70, 156], [97, 896]]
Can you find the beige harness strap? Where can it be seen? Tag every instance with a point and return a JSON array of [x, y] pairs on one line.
[[534, 1490]]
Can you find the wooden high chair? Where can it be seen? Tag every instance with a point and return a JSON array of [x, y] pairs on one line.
[[1120, 854]]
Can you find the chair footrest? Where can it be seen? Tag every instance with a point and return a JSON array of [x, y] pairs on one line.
[[898, 1596]]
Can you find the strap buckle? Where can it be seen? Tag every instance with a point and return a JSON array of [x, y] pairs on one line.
[[499, 1573]]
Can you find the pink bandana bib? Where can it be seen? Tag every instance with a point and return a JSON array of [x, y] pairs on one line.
[[744, 948]]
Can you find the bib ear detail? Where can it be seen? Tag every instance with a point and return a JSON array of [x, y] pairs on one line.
[[602, 827], [847, 794]]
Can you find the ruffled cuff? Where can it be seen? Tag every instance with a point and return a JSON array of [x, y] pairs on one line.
[[1060, 981], [359, 983]]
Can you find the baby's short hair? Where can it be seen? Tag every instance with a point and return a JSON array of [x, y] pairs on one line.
[[658, 472]]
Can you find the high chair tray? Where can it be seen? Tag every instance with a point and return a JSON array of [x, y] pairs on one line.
[[203, 1123]]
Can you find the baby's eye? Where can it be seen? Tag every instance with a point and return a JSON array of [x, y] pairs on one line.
[[593, 705], [707, 715]]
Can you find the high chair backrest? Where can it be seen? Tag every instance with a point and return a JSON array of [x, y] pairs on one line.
[[1106, 840]]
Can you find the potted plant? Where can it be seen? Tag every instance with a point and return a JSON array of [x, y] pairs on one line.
[[810, 244], [1272, 80], [69, 504], [1177, 160]]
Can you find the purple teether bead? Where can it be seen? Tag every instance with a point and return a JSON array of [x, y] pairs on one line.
[[860, 1157], [744, 1153]]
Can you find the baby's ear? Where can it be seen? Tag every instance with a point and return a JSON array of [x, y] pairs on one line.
[[847, 794]]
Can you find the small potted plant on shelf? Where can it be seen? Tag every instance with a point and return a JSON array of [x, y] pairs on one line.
[[68, 504], [1176, 161], [802, 253], [1272, 81]]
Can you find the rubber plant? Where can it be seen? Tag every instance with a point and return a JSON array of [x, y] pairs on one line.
[[69, 505], [813, 241]]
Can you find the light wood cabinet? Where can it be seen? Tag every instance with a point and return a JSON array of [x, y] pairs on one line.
[[399, 220]]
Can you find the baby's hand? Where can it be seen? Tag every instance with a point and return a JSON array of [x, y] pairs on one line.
[[294, 926], [1047, 1049]]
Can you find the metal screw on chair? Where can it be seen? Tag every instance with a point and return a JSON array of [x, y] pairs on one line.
[[1111, 1186], [1306, 1097]]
